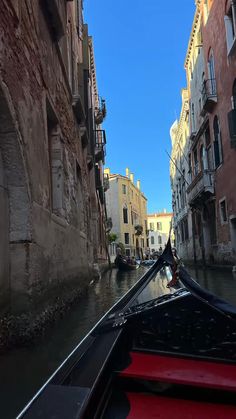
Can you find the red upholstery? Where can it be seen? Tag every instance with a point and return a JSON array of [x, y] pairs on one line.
[[181, 371], [143, 406]]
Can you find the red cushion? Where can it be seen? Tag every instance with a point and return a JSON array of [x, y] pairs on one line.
[[144, 406], [181, 371]]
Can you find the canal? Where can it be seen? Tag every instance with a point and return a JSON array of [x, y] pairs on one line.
[[24, 370]]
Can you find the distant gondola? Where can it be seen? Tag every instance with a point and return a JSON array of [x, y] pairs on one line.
[[160, 352], [122, 264]]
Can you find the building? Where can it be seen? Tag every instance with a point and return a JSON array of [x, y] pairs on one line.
[[127, 208], [159, 228], [211, 83], [51, 155], [180, 180]]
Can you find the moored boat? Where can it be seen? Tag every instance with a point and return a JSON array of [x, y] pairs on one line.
[[158, 353], [122, 264]]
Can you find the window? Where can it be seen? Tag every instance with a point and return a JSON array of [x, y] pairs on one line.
[[127, 252], [193, 118], [159, 226], [202, 158], [126, 238], [151, 225], [183, 191], [125, 215], [124, 189], [211, 87], [184, 229], [152, 240], [230, 27], [196, 165], [190, 167], [223, 211], [217, 142], [159, 240]]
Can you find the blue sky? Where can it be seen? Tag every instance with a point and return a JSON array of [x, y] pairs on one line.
[[140, 49]]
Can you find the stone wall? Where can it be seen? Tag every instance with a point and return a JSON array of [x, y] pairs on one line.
[[45, 183]]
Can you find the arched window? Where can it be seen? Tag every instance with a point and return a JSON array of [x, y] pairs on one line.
[[125, 215], [230, 24], [234, 95], [217, 142]]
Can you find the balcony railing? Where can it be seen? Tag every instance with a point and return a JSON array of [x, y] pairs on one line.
[[201, 187], [209, 96], [100, 112], [100, 143]]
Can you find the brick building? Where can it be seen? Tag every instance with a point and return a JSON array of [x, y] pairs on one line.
[[52, 149], [211, 81]]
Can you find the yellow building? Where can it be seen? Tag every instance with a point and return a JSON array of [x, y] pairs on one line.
[[159, 226], [127, 207]]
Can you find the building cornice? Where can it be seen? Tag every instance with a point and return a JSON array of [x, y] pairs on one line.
[[196, 18]]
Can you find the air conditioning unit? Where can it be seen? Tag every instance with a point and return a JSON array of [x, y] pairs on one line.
[[232, 123]]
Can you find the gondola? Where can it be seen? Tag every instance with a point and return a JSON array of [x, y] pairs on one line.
[[160, 352], [123, 265]]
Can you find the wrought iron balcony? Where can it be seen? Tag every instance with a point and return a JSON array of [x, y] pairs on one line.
[[100, 112], [201, 187], [209, 96], [100, 145]]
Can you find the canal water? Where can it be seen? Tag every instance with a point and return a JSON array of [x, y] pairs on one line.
[[24, 370]]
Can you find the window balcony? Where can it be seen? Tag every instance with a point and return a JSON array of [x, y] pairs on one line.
[[100, 112], [100, 144], [209, 96], [182, 213], [202, 187]]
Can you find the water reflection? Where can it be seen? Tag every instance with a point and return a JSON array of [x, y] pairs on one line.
[[220, 282], [156, 287], [23, 371]]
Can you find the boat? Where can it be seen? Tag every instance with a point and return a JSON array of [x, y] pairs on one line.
[[160, 352], [148, 262], [122, 264]]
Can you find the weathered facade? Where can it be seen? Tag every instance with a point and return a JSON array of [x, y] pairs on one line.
[[211, 69], [159, 230], [52, 207], [127, 208]]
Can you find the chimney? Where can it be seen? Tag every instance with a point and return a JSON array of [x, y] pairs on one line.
[[127, 172], [132, 177], [138, 184]]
